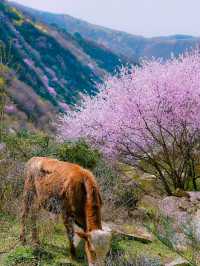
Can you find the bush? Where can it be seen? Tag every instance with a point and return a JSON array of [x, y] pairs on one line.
[[24, 145], [18, 149], [117, 192], [21, 146], [78, 152]]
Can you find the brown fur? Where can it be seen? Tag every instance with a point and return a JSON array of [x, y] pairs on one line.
[[64, 188]]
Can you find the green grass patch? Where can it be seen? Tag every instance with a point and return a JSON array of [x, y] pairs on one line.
[[134, 248], [54, 250]]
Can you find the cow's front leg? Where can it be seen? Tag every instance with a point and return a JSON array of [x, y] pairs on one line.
[[69, 225]]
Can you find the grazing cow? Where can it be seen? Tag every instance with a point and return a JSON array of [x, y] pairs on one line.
[[70, 190]]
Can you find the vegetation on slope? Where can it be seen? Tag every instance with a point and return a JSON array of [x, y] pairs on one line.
[[54, 250], [54, 66], [128, 45]]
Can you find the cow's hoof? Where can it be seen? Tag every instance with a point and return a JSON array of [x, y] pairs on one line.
[[73, 256], [36, 243], [22, 240]]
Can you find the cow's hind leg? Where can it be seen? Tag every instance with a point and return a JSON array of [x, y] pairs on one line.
[[27, 202], [69, 225], [33, 215]]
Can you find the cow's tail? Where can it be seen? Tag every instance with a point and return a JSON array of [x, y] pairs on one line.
[[93, 202], [32, 169]]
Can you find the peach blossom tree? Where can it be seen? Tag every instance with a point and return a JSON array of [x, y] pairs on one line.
[[148, 117]]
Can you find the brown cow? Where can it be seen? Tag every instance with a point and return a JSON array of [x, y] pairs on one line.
[[70, 190]]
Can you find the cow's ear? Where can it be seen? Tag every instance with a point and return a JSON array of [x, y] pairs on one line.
[[82, 235]]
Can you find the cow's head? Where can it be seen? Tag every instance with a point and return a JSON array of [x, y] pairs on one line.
[[97, 245]]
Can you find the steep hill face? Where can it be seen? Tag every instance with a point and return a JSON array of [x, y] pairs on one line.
[[119, 42], [54, 66]]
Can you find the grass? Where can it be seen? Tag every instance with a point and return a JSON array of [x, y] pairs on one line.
[[155, 250], [53, 250]]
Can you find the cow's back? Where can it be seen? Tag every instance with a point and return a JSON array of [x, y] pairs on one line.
[[55, 180]]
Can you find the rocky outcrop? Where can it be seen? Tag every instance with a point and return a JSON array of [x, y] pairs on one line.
[[177, 219], [131, 232], [181, 216], [178, 262]]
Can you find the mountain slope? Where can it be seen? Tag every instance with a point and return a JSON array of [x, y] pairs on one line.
[[54, 65], [129, 45]]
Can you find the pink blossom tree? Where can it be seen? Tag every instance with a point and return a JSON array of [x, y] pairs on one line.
[[148, 117]]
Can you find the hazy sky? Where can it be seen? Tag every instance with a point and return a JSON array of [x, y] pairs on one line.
[[143, 17]]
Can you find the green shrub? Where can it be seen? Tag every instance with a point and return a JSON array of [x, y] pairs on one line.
[[80, 153], [119, 195], [24, 145]]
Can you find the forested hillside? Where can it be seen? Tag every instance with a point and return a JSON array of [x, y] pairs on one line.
[[53, 68], [129, 45]]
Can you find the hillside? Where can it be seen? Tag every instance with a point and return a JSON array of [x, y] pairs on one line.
[[131, 46], [54, 67]]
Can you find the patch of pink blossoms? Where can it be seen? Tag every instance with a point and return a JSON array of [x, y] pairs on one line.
[[157, 92], [52, 91]]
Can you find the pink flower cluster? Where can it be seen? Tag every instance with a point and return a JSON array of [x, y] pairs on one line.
[[52, 91], [64, 106], [133, 104], [10, 109], [29, 62]]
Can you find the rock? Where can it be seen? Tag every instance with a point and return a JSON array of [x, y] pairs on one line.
[[194, 196], [136, 233], [64, 262], [175, 217], [180, 242], [196, 225], [178, 262], [151, 202], [11, 130], [181, 193], [183, 216], [2, 147], [150, 184], [147, 176], [144, 238], [176, 208]]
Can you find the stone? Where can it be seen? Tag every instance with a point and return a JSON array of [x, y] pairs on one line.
[[130, 232], [143, 238], [178, 262], [147, 176], [196, 225], [183, 215], [176, 208], [180, 242], [2, 147], [173, 218], [194, 196]]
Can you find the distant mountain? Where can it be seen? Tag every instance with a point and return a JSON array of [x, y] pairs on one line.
[[119, 42], [55, 67]]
